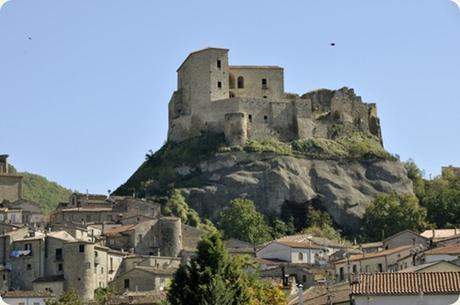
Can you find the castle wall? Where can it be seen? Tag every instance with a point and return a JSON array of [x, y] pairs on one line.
[[253, 87], [170, 236], [236, 129]]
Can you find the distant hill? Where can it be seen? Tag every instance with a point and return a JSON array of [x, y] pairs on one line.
[[42, 191]]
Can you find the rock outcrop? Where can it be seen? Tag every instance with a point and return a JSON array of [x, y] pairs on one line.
[[342, 188]]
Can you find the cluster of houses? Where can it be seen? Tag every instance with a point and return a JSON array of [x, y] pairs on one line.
[[99, 241]]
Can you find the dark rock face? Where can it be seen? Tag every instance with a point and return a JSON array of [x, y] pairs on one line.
[[342, 188]]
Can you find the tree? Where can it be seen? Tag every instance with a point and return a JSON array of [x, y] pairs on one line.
[[416, 175], [391, 213], [242, 221], [442, 200], [177, 206], [317, 218], [211, 278]]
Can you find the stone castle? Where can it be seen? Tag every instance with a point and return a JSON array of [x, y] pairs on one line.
[[249, 102]]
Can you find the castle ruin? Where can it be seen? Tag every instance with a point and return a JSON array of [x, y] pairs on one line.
[[249, 102]]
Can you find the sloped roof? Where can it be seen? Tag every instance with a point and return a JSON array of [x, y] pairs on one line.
[[63, 235], [449, 250], [407, 283], [120, 229], [26, 294], [358, 257], [306, 238], [421, 268], [317, 295], [298, 245]]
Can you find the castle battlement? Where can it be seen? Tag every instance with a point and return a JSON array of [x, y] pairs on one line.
[[248, 102]]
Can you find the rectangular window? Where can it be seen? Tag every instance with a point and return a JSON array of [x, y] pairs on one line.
[[28, 247], [380, 268], [126, 283], [265, 117], [219, 85], [264, 83], [355, 268], [95, 253], [58, 254], [250, 117], [102, 270], [29, 267], [81, 248], [219, 64], [59, 267], [139, 237]]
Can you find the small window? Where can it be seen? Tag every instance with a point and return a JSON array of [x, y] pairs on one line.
[[81, 248], [58, 254], [240, 82], [265, 117], [265, 96], [4, 277], [28, 247], [304, 278], [264, 83], [29, 267], [219, 85], [250, 117], [301, 256], [139, 237], [95, 253], [380, 268], [60, 267], [219, 64], [355, 268], [126, 284], [102, 270]]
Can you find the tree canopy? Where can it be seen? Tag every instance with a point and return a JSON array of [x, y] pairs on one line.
[[242, 221], [392, 213]]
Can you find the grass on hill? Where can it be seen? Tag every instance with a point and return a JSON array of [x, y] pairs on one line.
[[38, 189]]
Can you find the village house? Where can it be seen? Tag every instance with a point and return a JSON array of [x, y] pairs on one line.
[[403, 288], [439, 266], [405, 238], [26, 297], [337, 294], [10, 184], [383, 261], [294, 252], [436, 235], [442, 253]]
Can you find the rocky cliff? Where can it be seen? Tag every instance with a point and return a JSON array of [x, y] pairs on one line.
[[278, 178]]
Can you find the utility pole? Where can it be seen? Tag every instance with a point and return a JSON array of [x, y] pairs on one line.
[[300, 286]]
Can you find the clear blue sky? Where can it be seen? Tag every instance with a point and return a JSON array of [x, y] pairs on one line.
[[85, 97]]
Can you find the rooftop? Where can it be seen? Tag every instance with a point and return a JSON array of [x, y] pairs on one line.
[[358, 257], [449, 250], [26, 294], [440, 233], [407, 283]]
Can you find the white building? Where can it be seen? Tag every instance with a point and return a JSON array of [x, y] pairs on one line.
[[294, 252], [435, 288]]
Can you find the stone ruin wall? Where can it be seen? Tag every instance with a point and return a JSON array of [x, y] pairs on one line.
[[318, 114]]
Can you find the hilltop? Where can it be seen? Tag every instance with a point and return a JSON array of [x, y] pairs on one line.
[[39, 189]]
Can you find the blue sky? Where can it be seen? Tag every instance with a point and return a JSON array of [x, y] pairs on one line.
[[84, 85]]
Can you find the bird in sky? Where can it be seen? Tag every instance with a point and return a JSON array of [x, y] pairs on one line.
[[2, 2], [333, 43], [457, 2]]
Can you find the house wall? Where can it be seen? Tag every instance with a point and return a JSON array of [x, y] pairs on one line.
[[25, 269], [409, 300], [405, 239], [437, 258], [56, 287], [310, 256], [10, 188]]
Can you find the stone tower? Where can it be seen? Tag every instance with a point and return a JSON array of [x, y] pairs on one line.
[[10, 184]]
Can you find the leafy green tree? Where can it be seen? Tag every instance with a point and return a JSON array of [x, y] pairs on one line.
[[391, 213], [324, 231], [242, 221], [317, 218], [442, 200], [70, 297], [103, 295], [177, 206], [416, 175], [279, 228], [212, 277]]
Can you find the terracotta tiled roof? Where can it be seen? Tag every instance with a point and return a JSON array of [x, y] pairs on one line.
[[26, 294], [358, 257], [317, 295], [407, 283], [449, 249], [120, 229]]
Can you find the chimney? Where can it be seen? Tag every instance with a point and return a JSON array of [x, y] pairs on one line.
[[4, 164]]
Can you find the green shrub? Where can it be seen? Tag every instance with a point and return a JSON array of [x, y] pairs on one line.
[[268, 145]]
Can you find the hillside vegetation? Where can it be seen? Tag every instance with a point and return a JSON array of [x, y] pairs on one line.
[[159, 171], [38, 189]]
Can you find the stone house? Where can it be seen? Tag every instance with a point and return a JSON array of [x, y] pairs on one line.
[[249, 102], [26, 297], [442, 253], [405, 238], [440, 266], [11, 216], [406, 288], [52, 284], [294, 252], [455, 239], [4, 278], [32, 214], [384, 261], [10, 184], [144, 278]]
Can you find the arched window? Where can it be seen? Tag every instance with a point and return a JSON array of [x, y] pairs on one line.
[[231, 81], [240, 82], [301, 256]]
